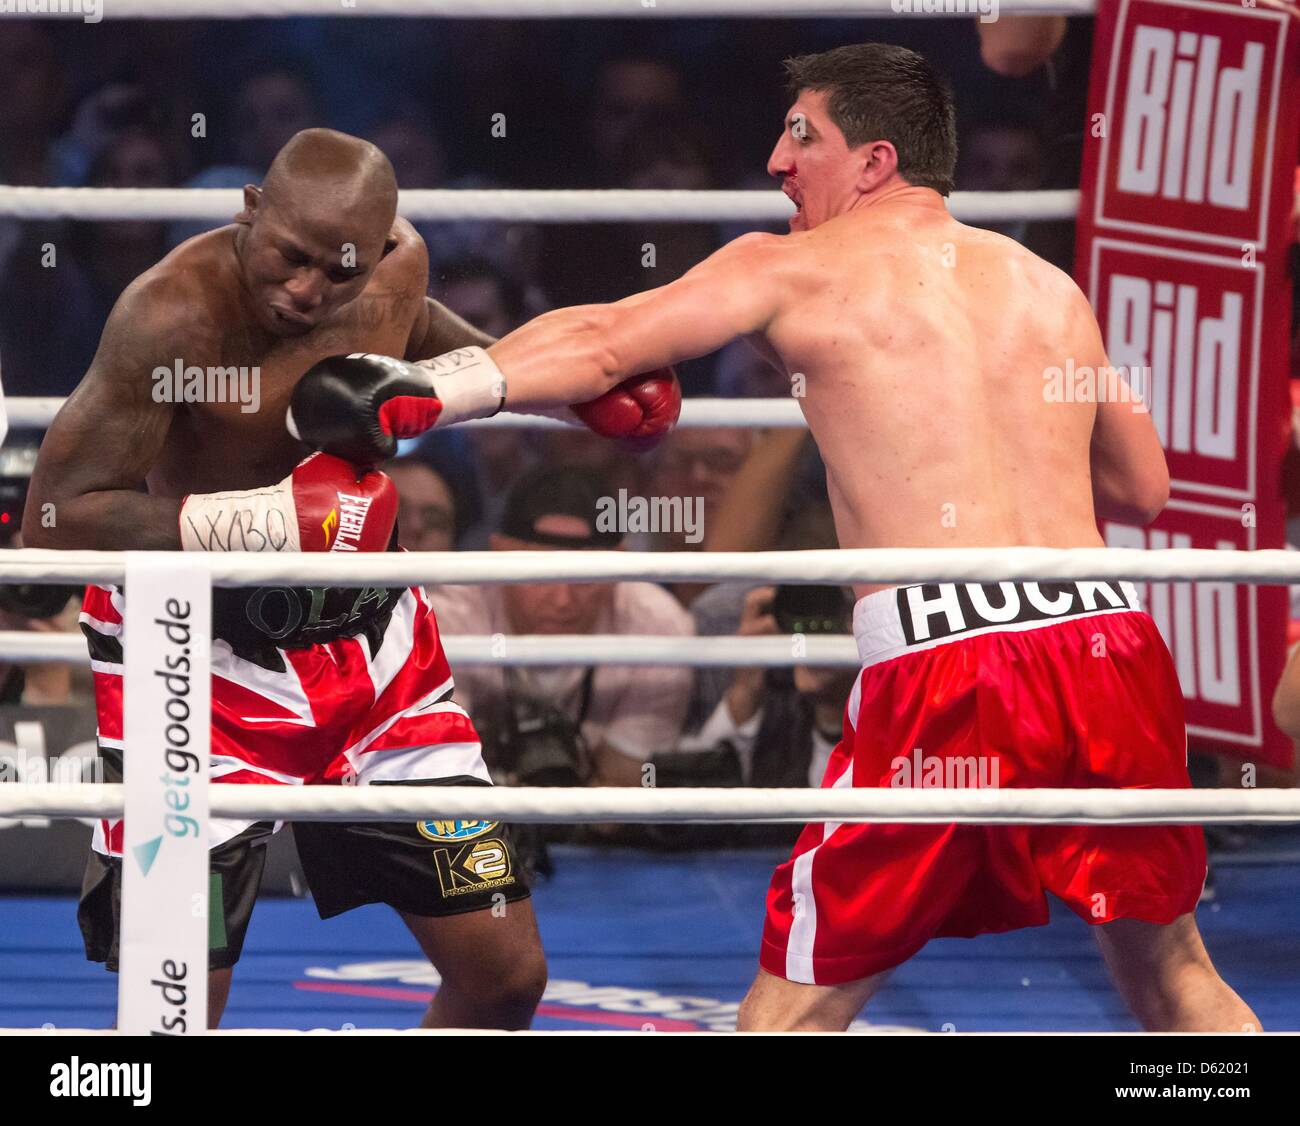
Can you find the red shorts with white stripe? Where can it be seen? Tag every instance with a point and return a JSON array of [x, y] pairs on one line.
[[1002, 684], [374, 707]]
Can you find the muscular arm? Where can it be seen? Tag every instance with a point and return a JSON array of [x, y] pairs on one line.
[[108, 434], [574, 355], [1130, 478], [437, 329]]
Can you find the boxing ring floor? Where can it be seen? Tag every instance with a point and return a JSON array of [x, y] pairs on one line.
[[639, 939]]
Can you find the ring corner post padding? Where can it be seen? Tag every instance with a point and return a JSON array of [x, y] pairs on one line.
[[163, 976]]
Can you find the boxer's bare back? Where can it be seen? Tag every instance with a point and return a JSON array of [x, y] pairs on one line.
[[923, 345], [921, 353]]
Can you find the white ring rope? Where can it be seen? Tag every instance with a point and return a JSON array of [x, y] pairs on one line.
[[562, 804], [546, 651], [839, 566], [37, 412], [546, 9], [219, 205]]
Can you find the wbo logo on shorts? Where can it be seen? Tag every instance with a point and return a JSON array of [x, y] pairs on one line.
[[454, 830]]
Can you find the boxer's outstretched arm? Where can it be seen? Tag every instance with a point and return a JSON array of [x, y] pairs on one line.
[[574, 355], [84, 490]]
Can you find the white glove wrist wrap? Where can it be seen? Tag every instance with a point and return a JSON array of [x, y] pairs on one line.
[[250, 520], [469, 384]]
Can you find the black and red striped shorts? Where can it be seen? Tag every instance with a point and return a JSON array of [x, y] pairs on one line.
[[374, 708]]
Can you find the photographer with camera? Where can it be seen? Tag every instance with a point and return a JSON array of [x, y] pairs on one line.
[[782, 724], [568, 725], [763, 727]]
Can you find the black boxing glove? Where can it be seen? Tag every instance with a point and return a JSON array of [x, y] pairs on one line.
[[357, 407]]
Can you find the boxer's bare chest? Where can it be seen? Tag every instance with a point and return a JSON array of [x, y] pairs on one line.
[[229, 428]]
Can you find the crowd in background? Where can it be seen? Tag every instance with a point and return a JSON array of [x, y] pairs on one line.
[[528, 104], [455, 104]]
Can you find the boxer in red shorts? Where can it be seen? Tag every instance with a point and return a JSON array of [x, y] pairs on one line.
[[922, 353], [987, 685]]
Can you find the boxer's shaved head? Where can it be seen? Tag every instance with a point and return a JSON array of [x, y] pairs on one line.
[[324, 168], [316, 229]]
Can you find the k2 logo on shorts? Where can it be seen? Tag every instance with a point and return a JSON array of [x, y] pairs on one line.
[[473, 867], [454, 830]]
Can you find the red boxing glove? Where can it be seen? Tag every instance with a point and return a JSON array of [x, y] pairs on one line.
[[638, 412], [325, 504]]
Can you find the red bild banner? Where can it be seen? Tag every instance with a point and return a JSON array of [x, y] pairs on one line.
[[1187, 192]]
